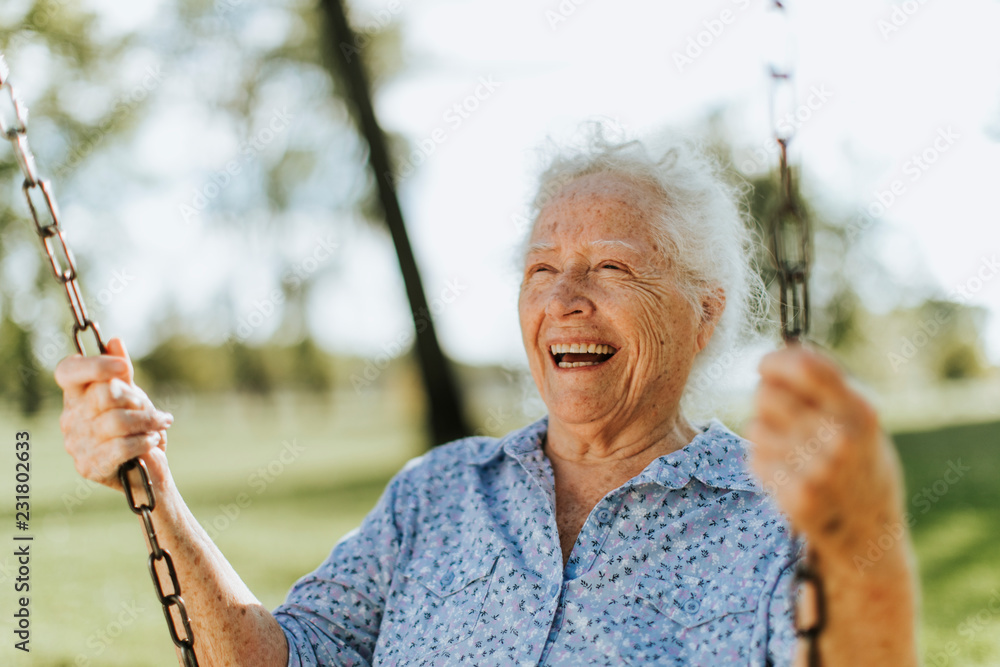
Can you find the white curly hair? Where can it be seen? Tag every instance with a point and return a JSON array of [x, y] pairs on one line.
[[703, 224]]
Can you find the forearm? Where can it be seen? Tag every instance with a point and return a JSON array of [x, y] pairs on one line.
[[871, 612], [230, 626]]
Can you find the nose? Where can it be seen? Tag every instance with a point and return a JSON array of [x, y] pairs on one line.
[[569, 299]]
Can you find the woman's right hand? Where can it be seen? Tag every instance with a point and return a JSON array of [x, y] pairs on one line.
[[108, 420]]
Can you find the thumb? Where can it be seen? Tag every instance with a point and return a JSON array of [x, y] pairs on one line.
[[116, 348]]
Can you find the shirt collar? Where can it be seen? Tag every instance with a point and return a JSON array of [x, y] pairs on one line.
[[716, 456]]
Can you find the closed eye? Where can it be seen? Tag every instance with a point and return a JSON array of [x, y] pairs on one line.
[[538, 268]]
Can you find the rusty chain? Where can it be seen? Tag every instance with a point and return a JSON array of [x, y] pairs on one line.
[[45, 214], [789, 227], [790, 247]]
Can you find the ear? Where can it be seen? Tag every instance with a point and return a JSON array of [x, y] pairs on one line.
[[712, 306]]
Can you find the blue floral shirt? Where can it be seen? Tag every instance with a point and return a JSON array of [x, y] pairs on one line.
[[688, 563]]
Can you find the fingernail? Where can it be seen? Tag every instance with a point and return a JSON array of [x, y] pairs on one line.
[[116, 388], [166, 416]]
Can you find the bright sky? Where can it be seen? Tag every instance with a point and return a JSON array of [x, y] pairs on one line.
[[889, 92], [894, 90]]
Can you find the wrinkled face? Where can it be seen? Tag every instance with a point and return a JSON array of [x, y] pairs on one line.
[[607, 332]]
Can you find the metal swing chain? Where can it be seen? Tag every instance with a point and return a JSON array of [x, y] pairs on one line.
[[14, 126], [790, 246]]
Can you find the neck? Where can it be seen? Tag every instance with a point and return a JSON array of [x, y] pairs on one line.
[[632, 446]]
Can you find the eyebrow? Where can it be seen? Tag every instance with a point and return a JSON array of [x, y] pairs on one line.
[[613, 244], [544, 247], [539, 247]]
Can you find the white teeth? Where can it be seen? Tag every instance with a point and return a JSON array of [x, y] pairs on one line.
[[578, 348], [577, 364]]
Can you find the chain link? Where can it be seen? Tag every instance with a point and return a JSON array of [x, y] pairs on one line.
[[42, 205], [790, 247], [789, 227]]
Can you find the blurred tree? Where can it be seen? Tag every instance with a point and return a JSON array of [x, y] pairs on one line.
[[250, 372], [310, 367], [843, 272], [446, 413], [22, 379], [249, 69], [55, 58]]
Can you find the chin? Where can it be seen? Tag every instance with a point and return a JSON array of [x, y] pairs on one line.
[[574, 408]]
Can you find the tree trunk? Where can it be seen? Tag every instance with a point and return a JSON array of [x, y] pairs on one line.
[[446, 415]]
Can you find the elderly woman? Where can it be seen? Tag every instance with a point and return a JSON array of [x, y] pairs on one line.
[[612, 531]]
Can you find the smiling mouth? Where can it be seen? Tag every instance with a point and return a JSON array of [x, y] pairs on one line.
[[578, 355]]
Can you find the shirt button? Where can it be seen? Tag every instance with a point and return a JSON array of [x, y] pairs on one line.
[[447, 578], [692, 606], [604, 516]]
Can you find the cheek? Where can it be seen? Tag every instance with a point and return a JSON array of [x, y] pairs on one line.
[[528, 314], [662, 324]]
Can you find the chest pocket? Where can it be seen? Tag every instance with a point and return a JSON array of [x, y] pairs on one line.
[[676, 618], [445, 594]]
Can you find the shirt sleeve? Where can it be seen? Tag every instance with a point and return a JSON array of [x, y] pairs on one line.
[[332, 615], [780, 619]]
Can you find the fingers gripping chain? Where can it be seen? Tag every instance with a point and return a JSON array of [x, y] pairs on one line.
[[45, 214]]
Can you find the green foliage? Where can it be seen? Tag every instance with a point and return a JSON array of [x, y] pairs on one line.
[[83, 124], [22, 381], [250, 374], [311, 368], [179, 365]]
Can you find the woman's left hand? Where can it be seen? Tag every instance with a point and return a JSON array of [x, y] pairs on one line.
[[821, 453]]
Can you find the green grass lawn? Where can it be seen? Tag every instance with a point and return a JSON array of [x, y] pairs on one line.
[[93, 603], [957, 515]]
